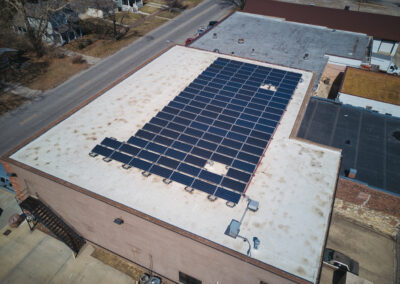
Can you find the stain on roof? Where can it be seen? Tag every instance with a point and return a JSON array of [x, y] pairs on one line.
[[376, 25], [372, 85], [367, 139]]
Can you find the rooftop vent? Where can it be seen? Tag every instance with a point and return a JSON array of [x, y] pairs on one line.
[[256, 242], [240, 40], [253, 205], [352, 173], [233, 229], [306, 56]]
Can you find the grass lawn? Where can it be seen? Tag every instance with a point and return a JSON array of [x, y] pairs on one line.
[[163, 2], [58, 71], [129, 18], [148, 9], [9, 101], [169, 15], [191, 3], [43, 73], [106, 46]]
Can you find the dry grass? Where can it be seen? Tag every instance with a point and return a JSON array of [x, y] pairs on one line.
[[129, 18], [163, 2], [107, 46], [191, 3], [372, 85], [42, 73], [148, 9], [118, 263], [9, 102], [58, 71], [169, 15], [186, 3]]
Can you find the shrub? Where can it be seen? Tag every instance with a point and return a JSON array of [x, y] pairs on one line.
[[78, 59], [84, 42]]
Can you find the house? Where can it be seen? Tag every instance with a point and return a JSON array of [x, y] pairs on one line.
[[195, 174], [371, 90], [129, 5], [63, 25]]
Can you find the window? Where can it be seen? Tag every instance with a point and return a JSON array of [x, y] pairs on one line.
[[186, 279], [386, 47]]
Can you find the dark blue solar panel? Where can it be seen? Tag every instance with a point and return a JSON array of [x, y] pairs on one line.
[[244, 166], [103, 151], [195, 160], [129, 149], [170, 163], [175, 154], [137, 141], [148, 155], [156, 148], [239, 175], [123, 158], [222, 159], [191, 170], [112, 143], [209, 176], [234, 185], [182, 146], [181, 178], [160, 171], [204, 186], [138, 163], [228, 195], [224, 116]]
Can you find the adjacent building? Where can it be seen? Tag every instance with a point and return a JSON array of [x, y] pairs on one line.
[[286, 43], [370, 141], [382, 28], [371, 90]]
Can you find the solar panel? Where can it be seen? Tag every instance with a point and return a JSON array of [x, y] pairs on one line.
[[226, 115]]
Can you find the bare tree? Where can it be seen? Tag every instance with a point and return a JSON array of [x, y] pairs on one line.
[[238, 3], [108, 8], [174, 4], [35, 18]]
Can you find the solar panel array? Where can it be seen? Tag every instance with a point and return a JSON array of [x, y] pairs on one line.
[[226, 115]]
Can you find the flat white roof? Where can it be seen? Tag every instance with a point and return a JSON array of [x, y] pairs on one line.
[[294, 183]]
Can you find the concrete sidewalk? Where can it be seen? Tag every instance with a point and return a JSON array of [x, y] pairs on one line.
[[35, 257]]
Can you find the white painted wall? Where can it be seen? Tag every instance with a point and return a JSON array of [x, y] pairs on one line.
[[384, 46], [380, 107], [343, 61]]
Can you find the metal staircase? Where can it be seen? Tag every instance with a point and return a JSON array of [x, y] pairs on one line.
[[51, 221]]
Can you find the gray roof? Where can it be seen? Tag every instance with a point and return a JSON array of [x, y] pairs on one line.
[[281, 42], [366, 139]]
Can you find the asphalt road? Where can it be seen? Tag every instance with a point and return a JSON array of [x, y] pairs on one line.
[[32, 117]]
